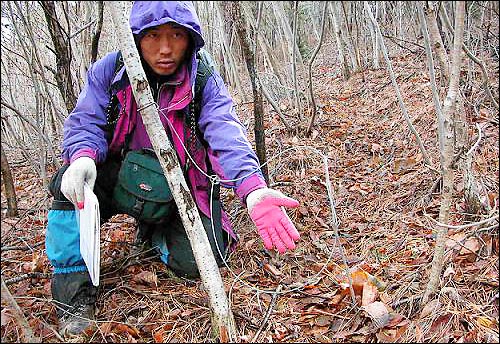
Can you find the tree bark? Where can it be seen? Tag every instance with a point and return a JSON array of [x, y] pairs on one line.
[[225, 37], [346, 73], [258, 108], [447, 168], [97, 34], [353, 48], [471, 189], [8, 182], [294, 61], [484, 72], [432, 75], [436, 41], [223, 325], [375, 43], [323, 21], [266, 94], [63, 55]]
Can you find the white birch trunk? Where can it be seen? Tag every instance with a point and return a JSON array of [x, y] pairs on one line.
[[340, 45], [447, 169], [432, 75], [223, 325], [294, 62], [436, 41], [374, 37]]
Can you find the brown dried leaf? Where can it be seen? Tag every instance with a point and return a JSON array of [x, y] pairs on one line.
[[471, 245], [404, 165], [6, 317], [146, 277], [106, 328], [122, 328], [272, 269], [378, 312], [391, 335], [158, 336], [440, 323], [431, 307], [370, 294], [323, 320]]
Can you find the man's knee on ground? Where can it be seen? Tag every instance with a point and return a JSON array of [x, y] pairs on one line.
[[188, 267]]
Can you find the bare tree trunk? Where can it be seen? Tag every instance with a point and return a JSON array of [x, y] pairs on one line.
[[447, 169], [471, 190], [373, 35], [485, 77], [323, 21], [264, 45], [396, 87], [294, 62], [8, 182], [436, 41], [353, 48], [346, 73], [281, 17], [97, 33], [263, 88], [37, 128], [432, 75], [36, 58], [223, 325], [63, 55], [258, 108], [229, 59], [15, 134]]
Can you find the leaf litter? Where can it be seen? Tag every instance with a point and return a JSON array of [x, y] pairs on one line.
[[383, 194]]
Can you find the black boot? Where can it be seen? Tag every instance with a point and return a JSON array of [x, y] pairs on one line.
[[75, 297]]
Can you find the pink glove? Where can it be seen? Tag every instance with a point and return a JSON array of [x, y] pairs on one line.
[[265, 207]]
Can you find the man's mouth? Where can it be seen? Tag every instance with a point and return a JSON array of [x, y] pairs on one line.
[[166, 64]]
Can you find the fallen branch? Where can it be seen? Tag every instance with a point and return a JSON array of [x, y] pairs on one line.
[[18, 314], [268, 313], [26, 276], [473, 224]]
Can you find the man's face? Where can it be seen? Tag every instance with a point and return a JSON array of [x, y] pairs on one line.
[[164, 48]]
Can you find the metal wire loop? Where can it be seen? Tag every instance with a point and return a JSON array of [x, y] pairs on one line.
[[214, 179]]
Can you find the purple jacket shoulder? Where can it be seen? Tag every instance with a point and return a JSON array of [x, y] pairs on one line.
[[84, 128]]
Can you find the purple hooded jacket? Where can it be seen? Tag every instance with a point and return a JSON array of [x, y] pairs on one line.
[[229, 152]]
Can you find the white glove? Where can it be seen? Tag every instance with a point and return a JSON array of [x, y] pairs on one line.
[[81, 170]]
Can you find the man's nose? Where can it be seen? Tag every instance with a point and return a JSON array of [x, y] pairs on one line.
[[165, 46]]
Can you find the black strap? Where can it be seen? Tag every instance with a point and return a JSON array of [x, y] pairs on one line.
[[216, 205], [62, 205]]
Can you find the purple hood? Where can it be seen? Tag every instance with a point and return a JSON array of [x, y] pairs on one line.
[[146, 14]]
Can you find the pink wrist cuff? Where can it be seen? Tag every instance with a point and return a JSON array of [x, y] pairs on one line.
[[91, 153], [250, 184]]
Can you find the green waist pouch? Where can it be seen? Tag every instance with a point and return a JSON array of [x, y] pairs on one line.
[[142, 190]]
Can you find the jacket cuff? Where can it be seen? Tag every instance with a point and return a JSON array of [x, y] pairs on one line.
[[250, 184], [83, 152]]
